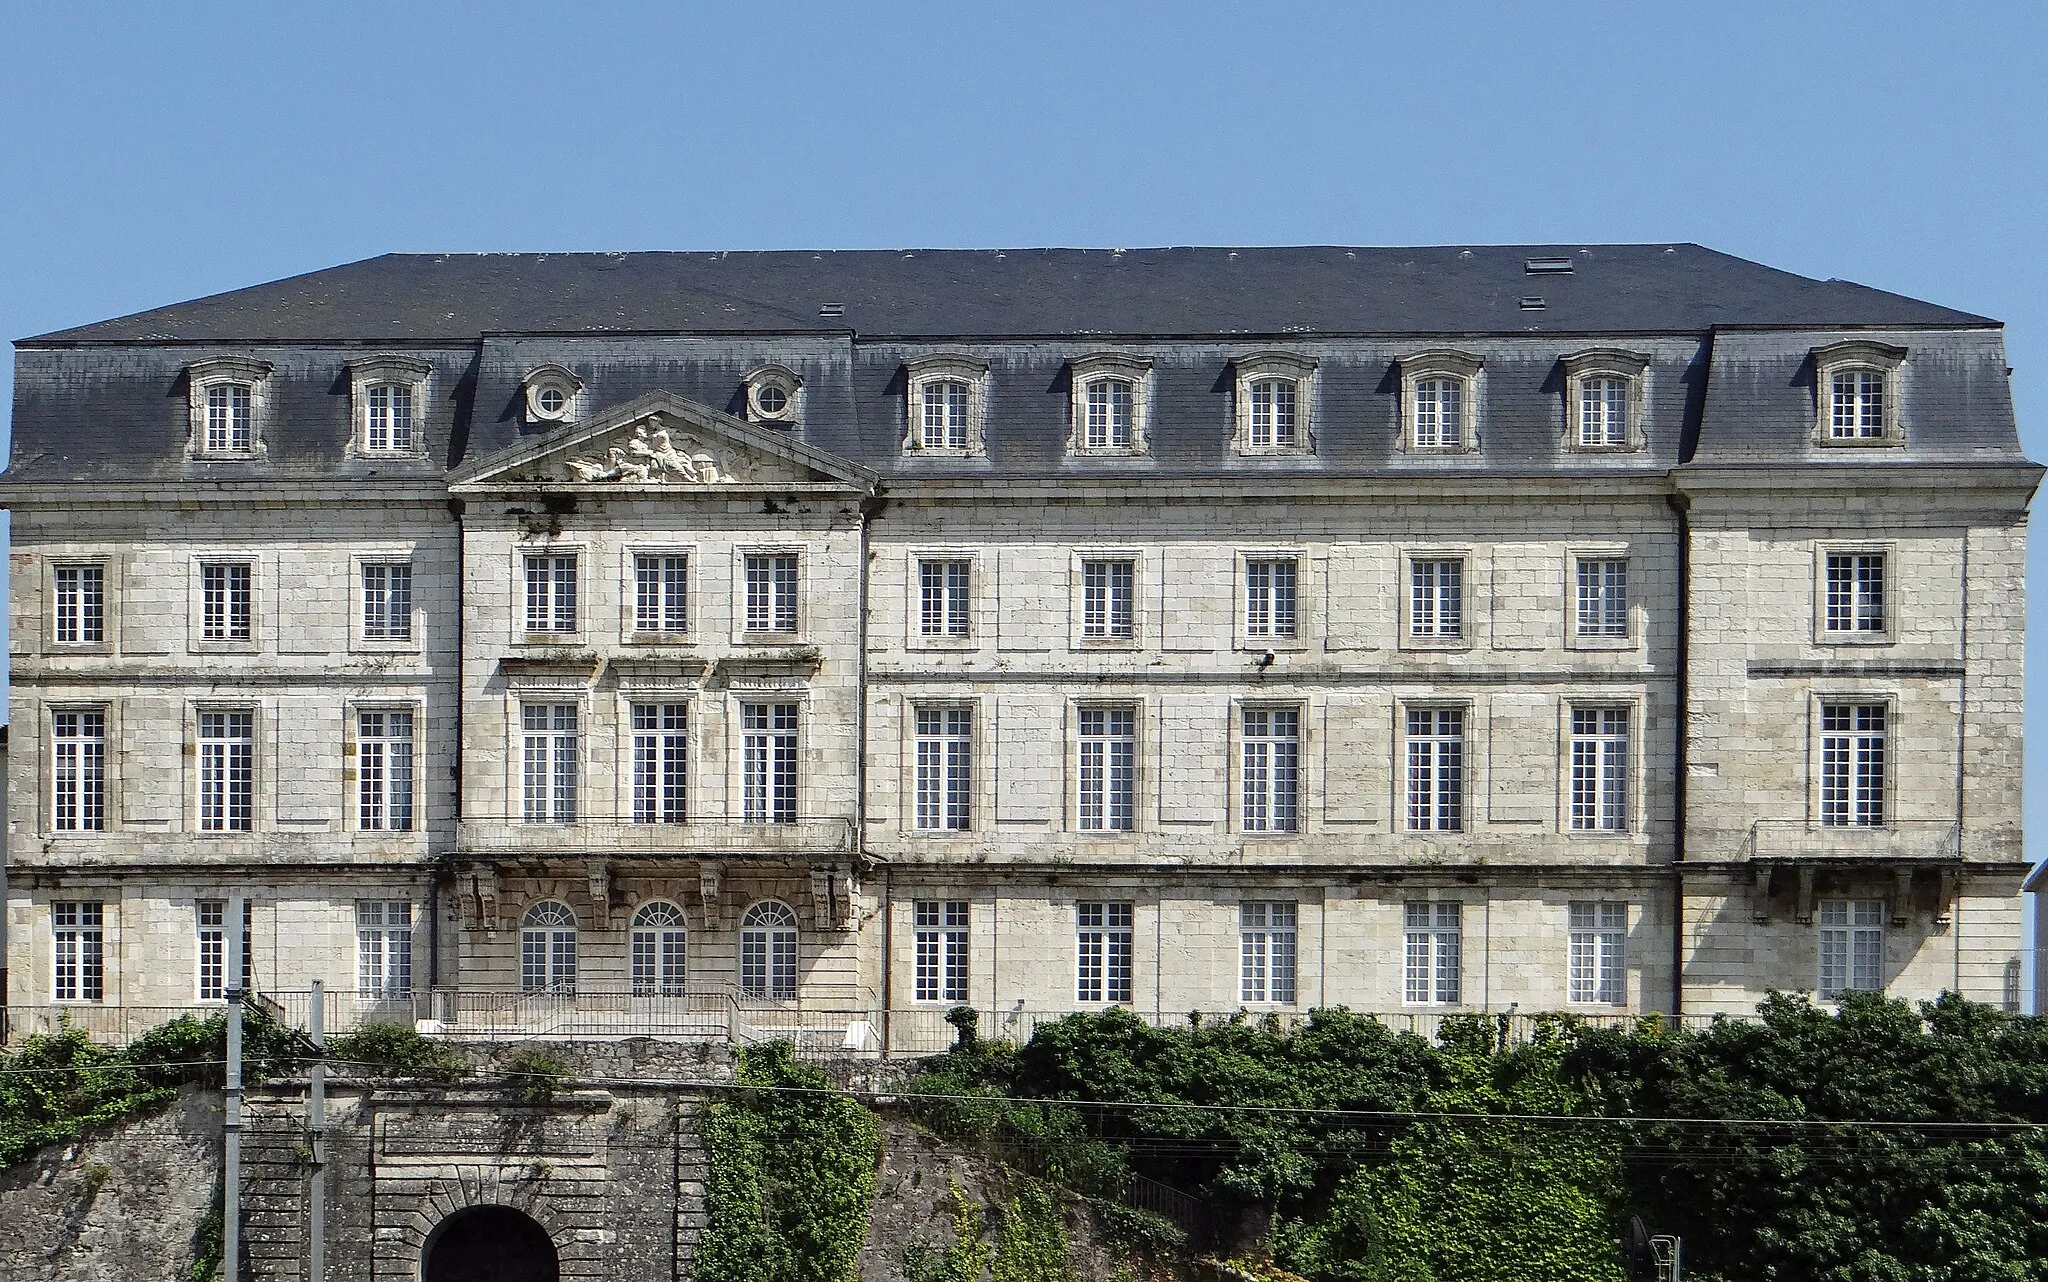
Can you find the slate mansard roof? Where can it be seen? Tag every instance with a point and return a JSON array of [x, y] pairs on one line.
[[1728, 341]]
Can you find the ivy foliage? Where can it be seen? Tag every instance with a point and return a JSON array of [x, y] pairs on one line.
[[1030, 1241], [792, 1175]]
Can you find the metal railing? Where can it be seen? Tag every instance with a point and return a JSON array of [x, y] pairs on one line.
[[1812, 839], [694, 836]]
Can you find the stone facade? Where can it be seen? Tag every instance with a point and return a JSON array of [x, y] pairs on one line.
[[801, 704]]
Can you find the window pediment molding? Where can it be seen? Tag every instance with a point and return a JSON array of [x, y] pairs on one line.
[[1096, 367], [1580, 368], [387, 370], [1443, 361], [551, 393], [923, 436], [1605, 360], [201, 378], [1855, 356], [1859, 351], [1460, 435], [1259, 427]]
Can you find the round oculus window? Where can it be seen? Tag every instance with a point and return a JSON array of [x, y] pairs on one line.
[[771, 399], [551, 400]]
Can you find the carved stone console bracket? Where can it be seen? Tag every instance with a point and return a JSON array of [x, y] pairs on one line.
[[1806, 895], [1902, 895], [708, 889], [483, 883], [1760, 894], [599, 873]]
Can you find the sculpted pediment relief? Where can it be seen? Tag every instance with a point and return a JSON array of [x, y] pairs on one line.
[[652, 454]]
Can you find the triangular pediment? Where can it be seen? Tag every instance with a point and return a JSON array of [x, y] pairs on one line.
[[660, 441]]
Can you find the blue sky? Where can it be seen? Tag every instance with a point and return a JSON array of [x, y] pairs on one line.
[[162, 152]]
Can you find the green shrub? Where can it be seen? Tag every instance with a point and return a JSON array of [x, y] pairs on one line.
[[537, 1074], [398, 1050]]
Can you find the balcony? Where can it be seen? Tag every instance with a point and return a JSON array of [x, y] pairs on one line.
[[694, 838], [1808, 841]]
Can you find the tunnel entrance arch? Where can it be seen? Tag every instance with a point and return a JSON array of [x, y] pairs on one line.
[[489, 1244]]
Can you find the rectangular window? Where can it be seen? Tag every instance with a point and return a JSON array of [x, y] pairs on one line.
[[661, 601], [384, 769], [1603, 412], [387, 602], [1855, 590], [78, 930], [1273, 416], [945, 769], [224, 601], [941, 939], [78, 771], [1272, 769], [383, 948], [771, 592], [213, 946], [1110, 401], [227, 771], [1600, 769], [943, 598], [1851, 946], [548, 761], [1266, 952], [1598, 931], [1109, 768], [1439, 413], [1602, 597], [1107, 599], [660, 762], [1102, 952], [1436, 770], [945, 415], [768, 762], [81, 604], [1434, 942], [551, 592], [1857, 406], [1436, 598], [1852, 765], [227, 419], [1269, 597], [389, 426]]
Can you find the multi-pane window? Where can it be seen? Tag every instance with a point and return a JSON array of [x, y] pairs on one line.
[[1109, 406], [1856, 405], [1603, 411], [1266, 952], [387, 602], [228, 429], [1855, 592], [1102, 952], [940, 932], [944, 422], [1600, 769], [1602, 597], [1598, 931], [1273, 422], [1272, 769], [1436, 769], [78, 770], [1436, 597], [768, 762], [660, 762], [1107, 791], [943, 598], [945, 768], [211, 919], [388, 429], [1108, 599], [1433, 945], [658, 952], [1852, 765], [549, 750], [224, 596], [78, 931], [383, 948], [551, 592], [1269, 597], [1851, 946], [1439, 421], [547, 949], [768, 952], [661, 592], [771, 591], [81, 592], [227, 771], [384, 769]]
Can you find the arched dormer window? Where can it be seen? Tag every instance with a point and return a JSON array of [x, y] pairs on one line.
[[944, 410], [1112, 404], [387, 394], [228, 396], [657, 947], [1275, 400], [1604, 400], [775, 396], [768, 951], [1439, 402], [547, 948], [1856, 387], [551, 393]]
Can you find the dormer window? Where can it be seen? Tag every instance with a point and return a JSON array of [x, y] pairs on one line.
[[775, 396], [1439, 395], [1111, 404], [1857, 394], [226, 403], [551, 393], [1274, 395], [388, 392], [1603, 400], [944, 409]]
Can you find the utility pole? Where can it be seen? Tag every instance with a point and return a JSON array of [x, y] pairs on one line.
[[316, 1129], [231, 1175]]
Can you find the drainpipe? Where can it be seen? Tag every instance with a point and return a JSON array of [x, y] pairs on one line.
[[455, 509], [1962, 731], [1680, 744]]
